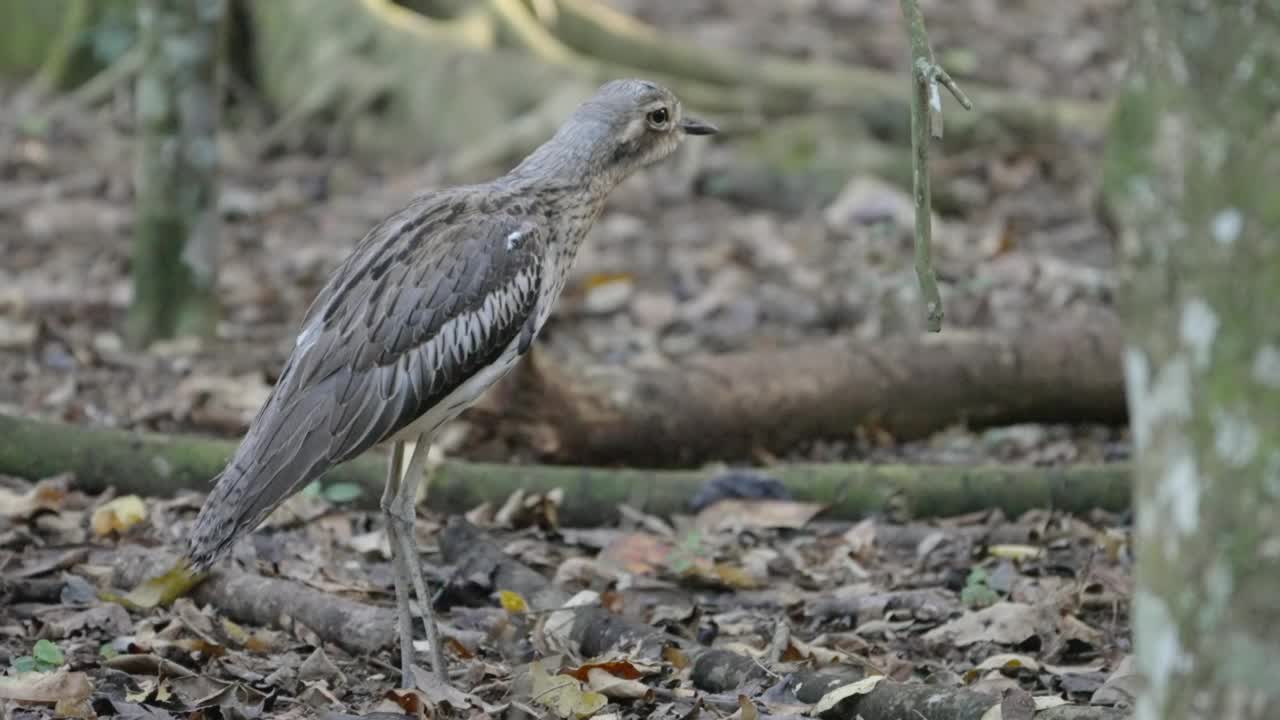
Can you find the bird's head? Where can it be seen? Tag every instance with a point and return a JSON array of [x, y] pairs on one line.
[[626, 125], [637, 121]]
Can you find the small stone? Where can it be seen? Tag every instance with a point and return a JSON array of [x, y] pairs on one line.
[[680, 342], [1017, 704], [764, 243], [17, 336], [653, 310], [785, 306], [608, 297], [239, 202], [732, 323], [870, 201], [1018, 438]]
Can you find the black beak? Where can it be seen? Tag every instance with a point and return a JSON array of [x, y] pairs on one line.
[[694, 126]]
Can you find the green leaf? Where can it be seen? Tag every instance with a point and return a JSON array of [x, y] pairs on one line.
[[46, 653], [342, 492], [977, 593], [24, 664], [312, 489], [108, 650], [158, 591]]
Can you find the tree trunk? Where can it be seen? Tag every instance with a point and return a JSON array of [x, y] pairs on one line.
[[176, 181], [1193, 166]]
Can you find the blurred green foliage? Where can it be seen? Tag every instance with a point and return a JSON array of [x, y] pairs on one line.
[[32, 30]]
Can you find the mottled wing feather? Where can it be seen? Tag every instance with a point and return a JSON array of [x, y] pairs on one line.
[[430, 296]]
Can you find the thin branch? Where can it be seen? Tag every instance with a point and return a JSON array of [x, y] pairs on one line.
[[926, 122]]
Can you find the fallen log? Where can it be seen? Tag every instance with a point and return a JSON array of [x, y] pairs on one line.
[[250, 598], [728, 406], [158, 465]]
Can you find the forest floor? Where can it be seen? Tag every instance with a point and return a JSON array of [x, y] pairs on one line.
[[984, 602]]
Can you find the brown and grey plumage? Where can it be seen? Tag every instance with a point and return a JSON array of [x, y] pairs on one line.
[[435, 304]]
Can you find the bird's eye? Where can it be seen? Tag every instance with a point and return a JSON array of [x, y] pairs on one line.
[[658, 118]]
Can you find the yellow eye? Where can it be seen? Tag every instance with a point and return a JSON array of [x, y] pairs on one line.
[[658, 118]]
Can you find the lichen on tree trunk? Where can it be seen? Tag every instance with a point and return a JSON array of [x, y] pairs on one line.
[[1192, 170], [176, 171]]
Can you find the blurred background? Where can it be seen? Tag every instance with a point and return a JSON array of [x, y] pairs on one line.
[[782, 248], [179, 177]]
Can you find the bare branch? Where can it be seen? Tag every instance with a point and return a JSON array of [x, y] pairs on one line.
[[926, 122]]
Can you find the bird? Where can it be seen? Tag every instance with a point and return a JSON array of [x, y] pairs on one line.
[[435, 304]]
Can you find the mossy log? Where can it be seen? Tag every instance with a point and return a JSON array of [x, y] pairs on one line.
[[158, 465]]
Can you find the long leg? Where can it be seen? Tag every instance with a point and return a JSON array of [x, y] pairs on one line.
[[399, 563], [406, 515]]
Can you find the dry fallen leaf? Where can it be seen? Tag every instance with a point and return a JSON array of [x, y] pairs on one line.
[[861, 538], [1045, 702], [733, 513], [557, 628], [1004, 623], [260, 641], [1071, 627], [797, 649], [720, 575], [220, 401], [442, 692], [638, 553], [1122, 686], [619, 688], [414, 703], [372, 544], [607, 292], [829, 704], [118, 515], [47, 688], [620, 668], [48, 494], [1009, 661], [675, 657], [16, 335], [151, 690], [563, 694]]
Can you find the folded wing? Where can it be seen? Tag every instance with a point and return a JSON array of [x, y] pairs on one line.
[[429, 298]]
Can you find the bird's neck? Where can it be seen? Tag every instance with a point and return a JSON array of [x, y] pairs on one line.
[[574, 170]]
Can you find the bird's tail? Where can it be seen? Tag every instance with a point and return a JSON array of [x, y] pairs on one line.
[[212, 533], [289, 444], [278, 456]]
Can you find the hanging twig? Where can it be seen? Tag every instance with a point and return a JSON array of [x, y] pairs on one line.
[[926, 122]]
